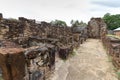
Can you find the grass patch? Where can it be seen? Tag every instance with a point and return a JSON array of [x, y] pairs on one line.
[[109, 58], [115, 69], [118, 73], [113, 36], [74, 52], [1, 78], [64, 59]]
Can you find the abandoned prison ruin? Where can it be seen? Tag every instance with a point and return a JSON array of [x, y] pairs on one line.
[[28, 50]]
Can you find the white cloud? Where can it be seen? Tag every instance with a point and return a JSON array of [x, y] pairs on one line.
[[55, 9]]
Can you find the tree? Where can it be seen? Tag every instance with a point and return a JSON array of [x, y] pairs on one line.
[[82, 24], [59, 23], [112, 21], [78, 24]]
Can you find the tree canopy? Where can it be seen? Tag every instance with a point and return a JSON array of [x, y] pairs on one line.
[[112, 21], [59, 23], [76, 23]]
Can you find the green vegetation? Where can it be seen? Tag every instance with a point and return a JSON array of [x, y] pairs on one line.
[[74, 52], [1, 78], [118, 73], [76, 23], [114, 36], [12, 19], [112, 21], [109, 58], [59, 23]]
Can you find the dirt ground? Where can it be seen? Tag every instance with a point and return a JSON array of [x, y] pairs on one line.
[[90, 62]]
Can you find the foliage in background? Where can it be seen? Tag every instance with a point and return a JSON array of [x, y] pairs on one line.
[[114, 36], [59, 23], [76, 23], [112, 21], [12, 19]]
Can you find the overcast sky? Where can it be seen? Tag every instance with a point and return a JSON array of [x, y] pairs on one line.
[[66, 10]]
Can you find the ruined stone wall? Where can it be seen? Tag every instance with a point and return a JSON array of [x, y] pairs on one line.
[[40, 43], [112, 46], [111, 43], [20, 30], [95, 26], [12, 63]]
